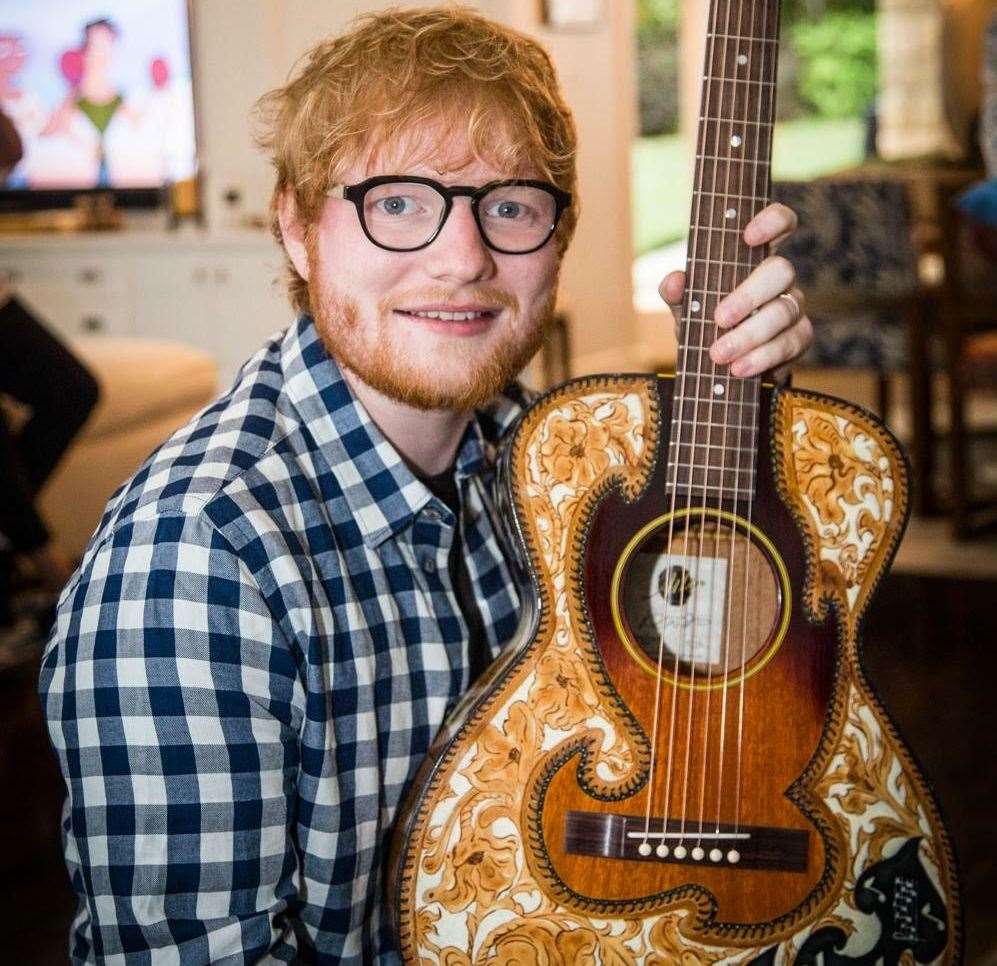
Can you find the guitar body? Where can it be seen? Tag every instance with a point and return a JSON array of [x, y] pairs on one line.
[[603, 797]]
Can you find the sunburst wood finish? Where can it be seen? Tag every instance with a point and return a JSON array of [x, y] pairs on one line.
[[480, 867]]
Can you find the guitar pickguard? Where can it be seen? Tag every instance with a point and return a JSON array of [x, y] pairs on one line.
[[484, 888]]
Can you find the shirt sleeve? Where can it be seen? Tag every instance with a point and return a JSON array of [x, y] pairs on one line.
[[173, 704]]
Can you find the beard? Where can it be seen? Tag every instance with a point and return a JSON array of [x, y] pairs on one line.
[[461, 375]]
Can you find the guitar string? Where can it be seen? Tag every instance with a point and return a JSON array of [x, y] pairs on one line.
[[723, 382], [675, 447], [714, 381], [766, 191], [731, 556], [691, 640]]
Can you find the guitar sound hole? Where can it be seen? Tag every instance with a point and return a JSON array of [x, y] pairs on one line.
[[703, 593]]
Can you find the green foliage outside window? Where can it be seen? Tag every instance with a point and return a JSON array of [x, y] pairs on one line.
[[828, 66], [837, 57]]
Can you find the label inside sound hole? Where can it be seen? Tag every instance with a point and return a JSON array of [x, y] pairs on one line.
[[685, 599], [703, 593]]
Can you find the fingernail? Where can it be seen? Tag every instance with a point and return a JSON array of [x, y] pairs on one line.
[[720, 351]]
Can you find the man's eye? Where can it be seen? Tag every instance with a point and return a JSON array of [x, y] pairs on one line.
[[396, 205], [510, 210]]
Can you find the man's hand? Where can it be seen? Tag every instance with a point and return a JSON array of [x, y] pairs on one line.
[[764, 329]]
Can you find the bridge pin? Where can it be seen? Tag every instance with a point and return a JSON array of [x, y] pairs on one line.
[[644, 848], [716, 855], [733, 856], [681, 851], [698, 853], [661, 851]]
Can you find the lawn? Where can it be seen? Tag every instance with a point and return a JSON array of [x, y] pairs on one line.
[[662, 169]]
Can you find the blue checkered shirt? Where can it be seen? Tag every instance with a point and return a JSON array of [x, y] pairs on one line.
[[251, 662]]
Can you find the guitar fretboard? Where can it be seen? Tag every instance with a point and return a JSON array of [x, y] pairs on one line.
[[714, 430]]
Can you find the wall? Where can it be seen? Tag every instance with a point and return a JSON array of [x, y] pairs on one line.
[[596, 68], [245, 47]]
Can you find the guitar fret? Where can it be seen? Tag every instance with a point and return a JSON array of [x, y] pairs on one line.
[[716, 447], [690, 488], [709, 291], [710, 398], [740, 80], [711, 227], [732, 160], [743, 403], [744, 471], [729, 196], [750, 40], [733, 120], [725, 262]]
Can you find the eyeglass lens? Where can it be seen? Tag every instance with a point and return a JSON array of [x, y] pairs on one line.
[[514, 218]]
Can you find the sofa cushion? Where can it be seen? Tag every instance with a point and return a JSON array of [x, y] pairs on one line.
[[143, 380]]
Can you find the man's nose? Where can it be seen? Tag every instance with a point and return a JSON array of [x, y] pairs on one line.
[[459, 252]]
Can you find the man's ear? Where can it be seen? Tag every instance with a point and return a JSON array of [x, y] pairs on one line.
[[293, 233]]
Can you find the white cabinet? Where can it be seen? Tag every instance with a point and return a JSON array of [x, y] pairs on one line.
[[74, 293], [218, 292]]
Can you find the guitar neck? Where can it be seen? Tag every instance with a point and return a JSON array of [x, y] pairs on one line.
[[715, 419]]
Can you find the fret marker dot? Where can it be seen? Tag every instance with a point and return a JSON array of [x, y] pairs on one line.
[[718, 389], [736, 140], [730, 213], [695, 305], [742, 59]]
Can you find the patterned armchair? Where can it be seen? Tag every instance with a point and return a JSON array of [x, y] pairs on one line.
[[857, 265], [856, 261]]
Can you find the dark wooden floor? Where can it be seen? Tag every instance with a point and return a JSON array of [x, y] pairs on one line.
[[931, 648]]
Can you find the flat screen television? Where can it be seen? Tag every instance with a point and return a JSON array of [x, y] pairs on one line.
[[101, 94]]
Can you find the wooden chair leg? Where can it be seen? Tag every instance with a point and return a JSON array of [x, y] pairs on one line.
[[919, 369], [883, 394], [958, 464]]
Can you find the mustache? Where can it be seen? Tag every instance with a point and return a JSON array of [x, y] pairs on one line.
[[487, 294]]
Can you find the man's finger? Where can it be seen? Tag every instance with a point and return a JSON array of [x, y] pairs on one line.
[[772, 224], [783, 348], [776, 274], [771, 319], [672, 287]]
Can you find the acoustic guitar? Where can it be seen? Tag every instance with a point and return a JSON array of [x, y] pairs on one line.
[[681, 760]]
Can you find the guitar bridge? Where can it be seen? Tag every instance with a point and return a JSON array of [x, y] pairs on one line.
[[685, 843]]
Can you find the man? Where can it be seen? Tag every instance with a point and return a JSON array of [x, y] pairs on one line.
[[275, 614]]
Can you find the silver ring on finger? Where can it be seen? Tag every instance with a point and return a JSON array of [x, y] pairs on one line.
[[795, 306]]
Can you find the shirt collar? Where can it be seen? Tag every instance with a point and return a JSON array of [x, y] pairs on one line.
[[383, 493]]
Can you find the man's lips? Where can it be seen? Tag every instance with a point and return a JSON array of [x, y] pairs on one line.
[[452, 319], [450, 312]]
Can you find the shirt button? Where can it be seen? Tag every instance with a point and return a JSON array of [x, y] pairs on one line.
[[429, 565], [432, 514]]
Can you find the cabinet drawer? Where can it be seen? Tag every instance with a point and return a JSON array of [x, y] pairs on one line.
[[73, 295]]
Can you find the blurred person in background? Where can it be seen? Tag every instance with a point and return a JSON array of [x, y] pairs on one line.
[[39, 372]]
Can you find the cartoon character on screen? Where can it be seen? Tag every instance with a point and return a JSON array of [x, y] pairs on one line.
[[93, 93]]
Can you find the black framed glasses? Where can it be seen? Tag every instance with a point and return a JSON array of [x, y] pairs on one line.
[[404, 213]]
